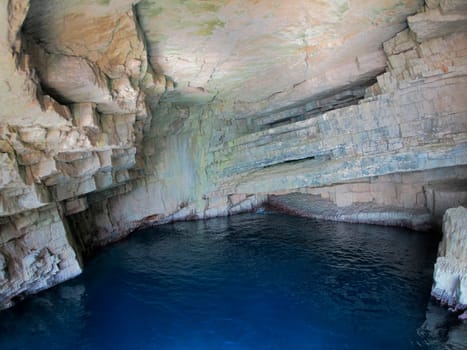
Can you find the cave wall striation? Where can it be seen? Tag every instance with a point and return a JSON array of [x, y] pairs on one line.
[[113, 119]]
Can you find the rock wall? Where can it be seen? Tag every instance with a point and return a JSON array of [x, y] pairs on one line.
[[415, 123], [112, 120], [176, 152], [72, 120], [412, 120], [415, 199], [35, 253], [450, 275]]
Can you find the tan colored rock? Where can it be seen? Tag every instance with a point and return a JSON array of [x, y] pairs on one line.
[[81, 167], [29, 158], [73, 78], [32, 135], [83, 115], [18, 88], [17, 11], [433, 23], [453, 6], [292, 34], [119, 129], [432, 3], [8, 171], [48, 103], [105, 158], [44, 168], [73, 206], [99, 71]]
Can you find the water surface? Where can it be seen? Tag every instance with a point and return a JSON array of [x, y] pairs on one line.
[[256, 281]]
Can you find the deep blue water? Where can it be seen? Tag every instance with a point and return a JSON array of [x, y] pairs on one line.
[[256, 281]]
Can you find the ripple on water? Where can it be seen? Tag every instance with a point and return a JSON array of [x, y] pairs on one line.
[[245, 282]]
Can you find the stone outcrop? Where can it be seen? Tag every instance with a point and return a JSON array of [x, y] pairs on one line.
[[450, 275], [35, 253], [314, 206], [439, 18], [121, 114]]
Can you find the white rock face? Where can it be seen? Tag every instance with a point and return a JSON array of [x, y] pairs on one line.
[[450, 275]]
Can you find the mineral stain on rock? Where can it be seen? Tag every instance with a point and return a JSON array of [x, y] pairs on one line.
[[208, 27]]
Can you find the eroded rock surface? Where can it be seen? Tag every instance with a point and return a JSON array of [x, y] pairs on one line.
[[450, 275], [123, 113], [35, 253], [314, 206]]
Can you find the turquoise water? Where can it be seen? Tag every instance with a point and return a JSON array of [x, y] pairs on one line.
[[256, 281]]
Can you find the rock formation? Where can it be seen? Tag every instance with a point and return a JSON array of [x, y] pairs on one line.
[[450, 275], [119, 114]]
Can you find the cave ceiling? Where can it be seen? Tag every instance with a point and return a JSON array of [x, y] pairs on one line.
[[257, 54], [250, 51]]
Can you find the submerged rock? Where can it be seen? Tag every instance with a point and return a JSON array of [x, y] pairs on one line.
[[450, 275]]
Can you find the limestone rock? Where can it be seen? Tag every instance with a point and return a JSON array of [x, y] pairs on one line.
[[17, 11], [314, 206], [35, 253], [443, 195], [74, 79], [84, 115], [434, 23], [293, 34], [450, 275], [453, 6], [18, 88]]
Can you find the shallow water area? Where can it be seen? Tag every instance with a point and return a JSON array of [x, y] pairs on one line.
[[253, 281]]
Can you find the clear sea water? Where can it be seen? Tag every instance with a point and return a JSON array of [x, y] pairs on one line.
[[255, 281]]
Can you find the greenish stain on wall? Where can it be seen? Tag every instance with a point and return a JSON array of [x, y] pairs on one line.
[[154, 11], [343, 8], [387, 14], [209, 7], [104, 2], [206, 6], [208, 27]]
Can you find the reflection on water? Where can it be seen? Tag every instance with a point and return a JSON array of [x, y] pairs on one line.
[[246, 282], [51, 319]]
